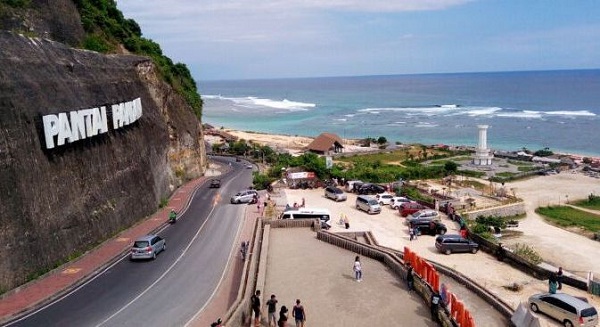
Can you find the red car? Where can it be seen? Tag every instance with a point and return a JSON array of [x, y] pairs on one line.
[[409, 208]]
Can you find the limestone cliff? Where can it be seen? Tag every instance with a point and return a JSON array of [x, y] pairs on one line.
[[57, 203]]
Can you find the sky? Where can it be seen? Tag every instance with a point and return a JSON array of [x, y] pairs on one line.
[[255, 39]]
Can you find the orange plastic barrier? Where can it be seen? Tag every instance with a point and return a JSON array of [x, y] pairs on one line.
[[427, 272]]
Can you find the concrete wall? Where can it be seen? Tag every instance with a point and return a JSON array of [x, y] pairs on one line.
[[507, 210]]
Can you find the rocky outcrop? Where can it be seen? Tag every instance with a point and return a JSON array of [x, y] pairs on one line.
[[56, 203], [57, 20]]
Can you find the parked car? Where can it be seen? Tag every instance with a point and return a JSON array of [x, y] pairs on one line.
[[396, 201], [410, 208], [569, 310], [349, 185], [367, 204], [452, 243], [247, 196], [335, 193], [368, 188], [147, 247], [384, 198], [356, 186], [429, 227], [215, 183], [424, 214]]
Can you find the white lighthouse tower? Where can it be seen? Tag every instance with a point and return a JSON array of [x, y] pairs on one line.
[[482, 157]]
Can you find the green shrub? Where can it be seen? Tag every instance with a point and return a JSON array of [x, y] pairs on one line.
[[106, 27], [261, 182], [528, 253], [163, 202]]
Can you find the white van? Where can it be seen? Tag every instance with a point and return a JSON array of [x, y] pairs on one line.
[[309, 213]]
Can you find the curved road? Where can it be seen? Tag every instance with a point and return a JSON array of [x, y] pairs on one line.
[[167, 291]]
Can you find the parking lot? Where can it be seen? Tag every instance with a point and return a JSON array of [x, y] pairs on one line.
[[389, 229]]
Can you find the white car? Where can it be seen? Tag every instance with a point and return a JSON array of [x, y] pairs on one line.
[[397, 201], [384, 198]]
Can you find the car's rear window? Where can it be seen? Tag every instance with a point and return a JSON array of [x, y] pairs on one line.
[[140, 244], [589, 312]]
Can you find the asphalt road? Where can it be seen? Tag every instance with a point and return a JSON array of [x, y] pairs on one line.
[[167, 291]]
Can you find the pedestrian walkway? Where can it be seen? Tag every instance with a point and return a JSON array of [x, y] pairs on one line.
[[320, 275], [65, 278]]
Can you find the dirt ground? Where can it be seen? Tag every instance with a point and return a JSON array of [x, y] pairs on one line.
[[575, 253]]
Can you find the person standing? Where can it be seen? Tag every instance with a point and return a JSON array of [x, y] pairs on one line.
[[299, 314], [255, 302], [435, 304], [272, 310], [411, 233], [552, 283], [559, 278], [283, 316], [357, 267], [410, 279]]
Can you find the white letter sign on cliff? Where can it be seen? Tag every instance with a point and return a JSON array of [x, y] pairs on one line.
[[77, 125]]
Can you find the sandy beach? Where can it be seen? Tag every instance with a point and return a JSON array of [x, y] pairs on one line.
[[293, 144]]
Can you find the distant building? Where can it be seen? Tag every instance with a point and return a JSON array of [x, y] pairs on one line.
[[325, 144]]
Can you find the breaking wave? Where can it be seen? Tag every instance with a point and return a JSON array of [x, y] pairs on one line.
[[255, 102]]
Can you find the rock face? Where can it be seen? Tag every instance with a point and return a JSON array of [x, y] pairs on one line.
[[57, 203], [57, 20]]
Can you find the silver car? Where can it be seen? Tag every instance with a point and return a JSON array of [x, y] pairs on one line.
[[335, 193], [247, 196], [567, 309], [147, 247]]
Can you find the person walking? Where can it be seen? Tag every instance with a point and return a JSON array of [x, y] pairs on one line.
[[410, 279], [255, 302], [272, 311], [244, 250], [346, 221], [411, 233], [357, 267], [283, 316], [299, 314]]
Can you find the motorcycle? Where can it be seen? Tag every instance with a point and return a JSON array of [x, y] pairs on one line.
[[172, 217], [218, 323]]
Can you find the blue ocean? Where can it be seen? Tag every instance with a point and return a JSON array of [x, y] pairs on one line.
[[559, 110]]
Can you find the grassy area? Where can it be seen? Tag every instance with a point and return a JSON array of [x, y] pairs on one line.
[[567, 217], [387, 157], [505, 174], [593, 202]]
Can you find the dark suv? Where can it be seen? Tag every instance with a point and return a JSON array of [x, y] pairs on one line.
[[369, 188], [429, 227], [455, 243]]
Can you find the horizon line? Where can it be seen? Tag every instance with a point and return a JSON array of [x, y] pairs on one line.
[[398, 74]]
